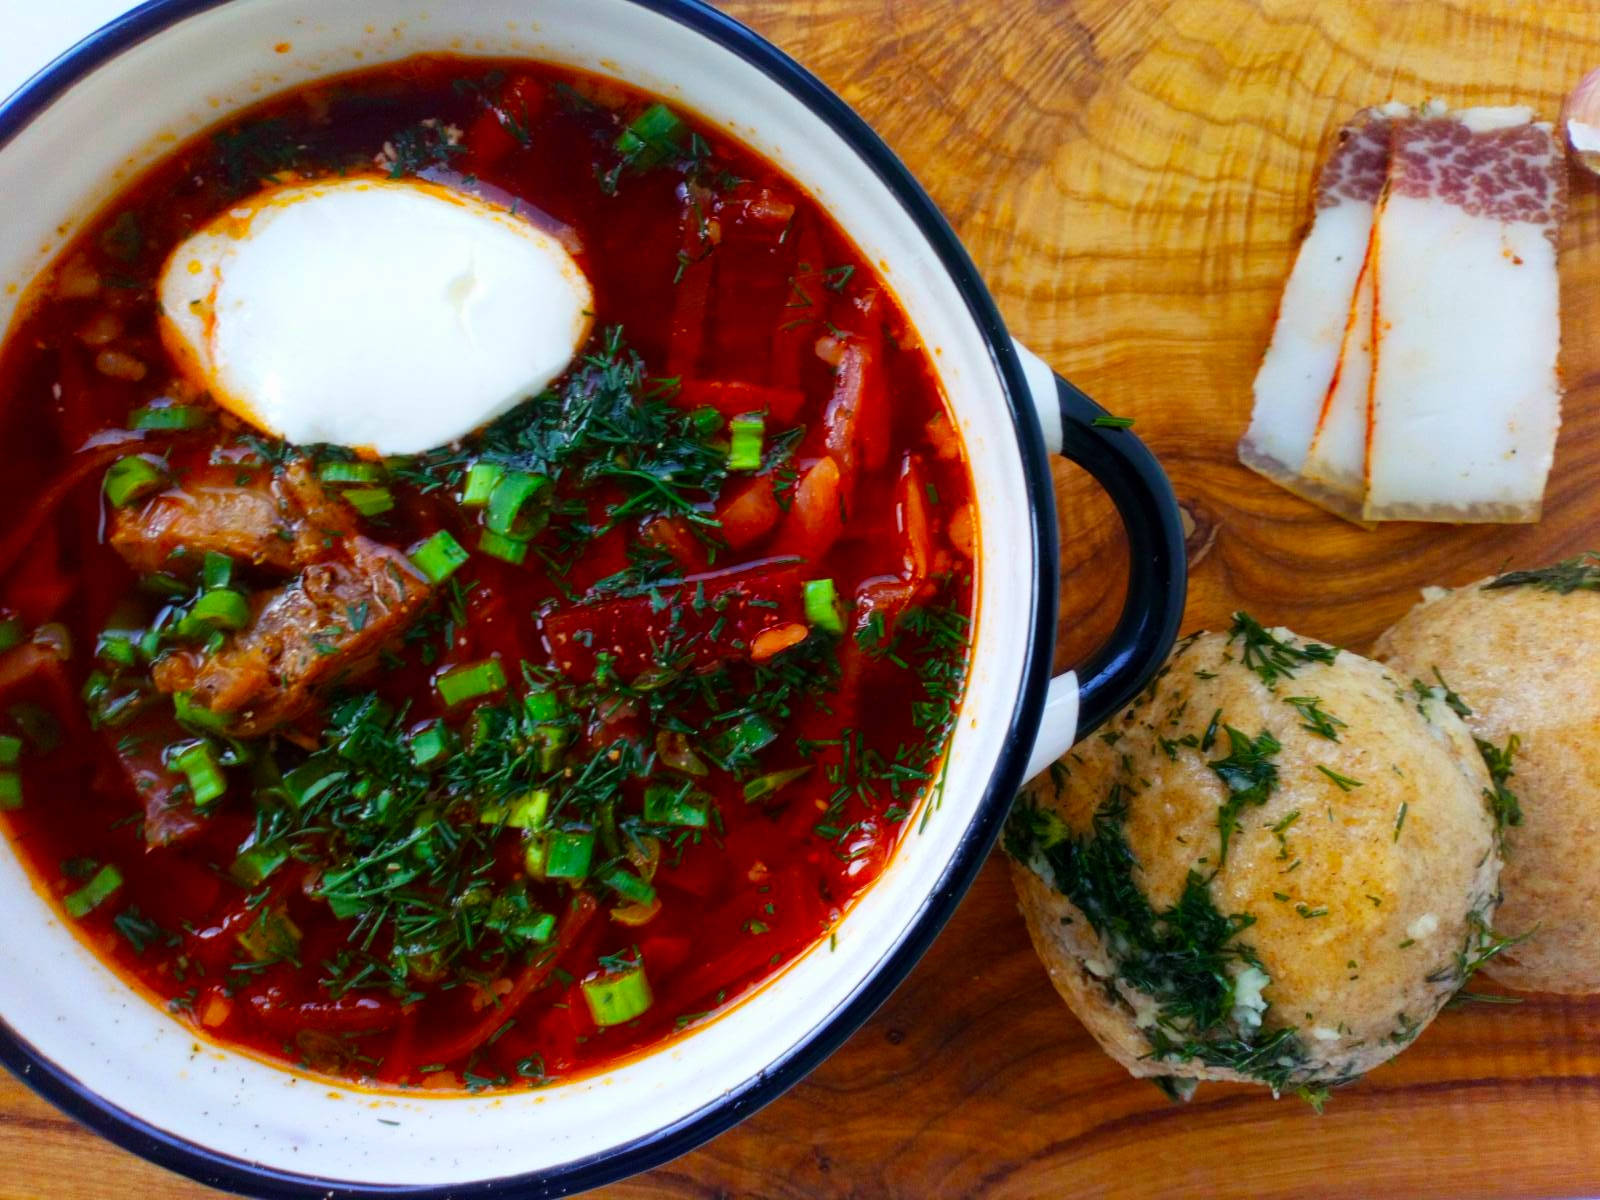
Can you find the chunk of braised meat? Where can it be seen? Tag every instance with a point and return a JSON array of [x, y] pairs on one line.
[[324, 627], [279, 522]]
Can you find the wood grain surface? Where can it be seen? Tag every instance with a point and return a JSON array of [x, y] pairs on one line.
[[1131, 178]]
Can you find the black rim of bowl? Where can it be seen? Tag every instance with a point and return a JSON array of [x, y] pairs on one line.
[[662, 1145]]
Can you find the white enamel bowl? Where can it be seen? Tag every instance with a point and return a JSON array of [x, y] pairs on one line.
[[88, 125]]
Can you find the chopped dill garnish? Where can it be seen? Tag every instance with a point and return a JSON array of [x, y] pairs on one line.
[[1249, 775], [1186, 958], [1450, 696], [1280, 831], [1503, 803], [605, 425], [256, 150], [416, 148], [1270, 657], [1579, 573], [1323, 724], [1343, 782], [1481, 945]]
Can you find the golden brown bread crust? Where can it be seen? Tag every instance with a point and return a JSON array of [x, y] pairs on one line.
[[1359, 912], [1524, 660]]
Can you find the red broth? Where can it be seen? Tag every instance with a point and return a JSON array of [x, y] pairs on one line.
[[532, 816]]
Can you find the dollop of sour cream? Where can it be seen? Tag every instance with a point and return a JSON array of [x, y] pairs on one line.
[[389, 316]]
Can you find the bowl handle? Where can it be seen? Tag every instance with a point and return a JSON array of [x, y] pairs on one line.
[[1078, 703]]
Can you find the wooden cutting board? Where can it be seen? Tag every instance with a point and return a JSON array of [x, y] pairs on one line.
[[1131, 178]]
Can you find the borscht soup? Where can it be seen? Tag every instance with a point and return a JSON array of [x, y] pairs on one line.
[[488, 576]]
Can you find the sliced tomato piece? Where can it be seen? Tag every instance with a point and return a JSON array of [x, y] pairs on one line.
[[760, 210], [702, 621], [816, 512], [911, 514], [858, 417], [749, 512], [504, 125], [673, 536]]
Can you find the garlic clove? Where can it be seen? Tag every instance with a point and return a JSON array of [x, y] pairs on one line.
[[1580, 122]]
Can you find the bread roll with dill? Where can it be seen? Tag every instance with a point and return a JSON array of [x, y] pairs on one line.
[[1520, 651], [1275, 866]]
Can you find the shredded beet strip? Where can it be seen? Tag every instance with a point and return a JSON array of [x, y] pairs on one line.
[[535, 973]]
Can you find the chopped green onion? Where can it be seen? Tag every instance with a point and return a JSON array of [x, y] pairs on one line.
[[747, 432], [132, 478], [707, 421], [370, 501], [91, 895], [507, 549], [150, 643], [439, 557], [484, 729], [617, 999], [753, 733], [471, 680], [216, 570], [118, 649], [567, 855], [271, 936], [527, 813], [668, 805], [106, 705], [11, 633], [482, 477], [350, 472], [508, 513], [533, 858], [345, 907], [627, 885], [763, 786], [543, 706], [164, 584], [429, 744], [311, 778], [10, 791], [169, 416], [552, 741], [190, 713], [535, 929], [258, 862], [512, 915], [10, 750], [822, 605], [653, 135], [530, 811], [198, 763], [220, 608]]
